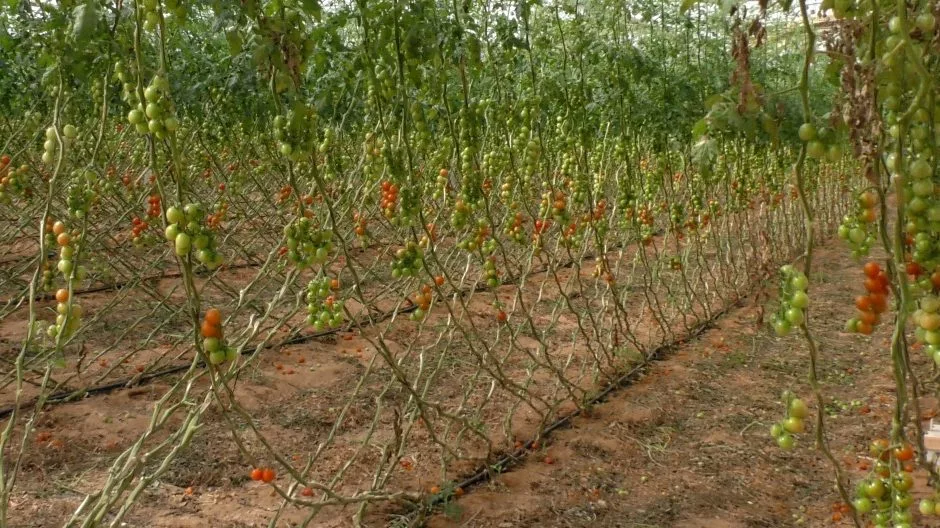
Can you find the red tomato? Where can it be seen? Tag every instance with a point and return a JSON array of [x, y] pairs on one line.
[[268, 475]]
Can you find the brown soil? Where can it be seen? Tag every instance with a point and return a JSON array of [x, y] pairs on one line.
[[688, 444]]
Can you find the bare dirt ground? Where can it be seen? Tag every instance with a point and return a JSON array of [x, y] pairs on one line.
[[688, 445]]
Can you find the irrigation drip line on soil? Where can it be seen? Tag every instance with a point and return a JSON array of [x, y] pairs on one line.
[[114, 286], [486, 472], [66, 396]]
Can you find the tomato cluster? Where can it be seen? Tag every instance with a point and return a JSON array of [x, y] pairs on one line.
[[479, 238], [423, 301], [885, 494], [408, 261], [67, 248], [295, 132], [858, 229], [792, 424], [305, 244], [158, 117], [323, 309], [139, 227], [186, 233], [389, 199], [515, 230], [441, 184], [266, 475], [871, 306], [554, 204], [68, 316], [12, 180], [821, 143], [461, 214], [213, 341], [362, 224], [214, 220], [69, 132], [794, 300], [153, 206]]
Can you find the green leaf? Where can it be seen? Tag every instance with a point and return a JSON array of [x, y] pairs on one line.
[[699, 129], [84, 21], [234, 41], [312, 8], [687, 4]]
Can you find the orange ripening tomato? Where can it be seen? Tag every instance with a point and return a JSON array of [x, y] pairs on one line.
[[872, 269], [210, 330], [62, 295], [879, 303], [256, 474], [268, 475], [870, 318], [863, 303], [213, 316]]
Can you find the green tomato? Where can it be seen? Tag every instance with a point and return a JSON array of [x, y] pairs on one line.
[[785, 441], [174, 215], [151, 94], [895, 25], [135, 117], [807, 132], [782, 327], [927, 507], [857, 235], [201, 242], [798, 408], [65, 266], [193, 211], [217, 357], [183, 244], [862, 505], [794, 425], [932, 338], [799, 282], [172, 231], [211, 344], [799, 300], [851, 326], [795, 316], [926, 23], [816, 149], [154, 111], [231, 353], [875, 489], [903, 500]]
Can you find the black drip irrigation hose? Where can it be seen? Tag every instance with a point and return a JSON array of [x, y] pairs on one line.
[[65, 396], [46, 296], [506, 462], [71, 395]]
